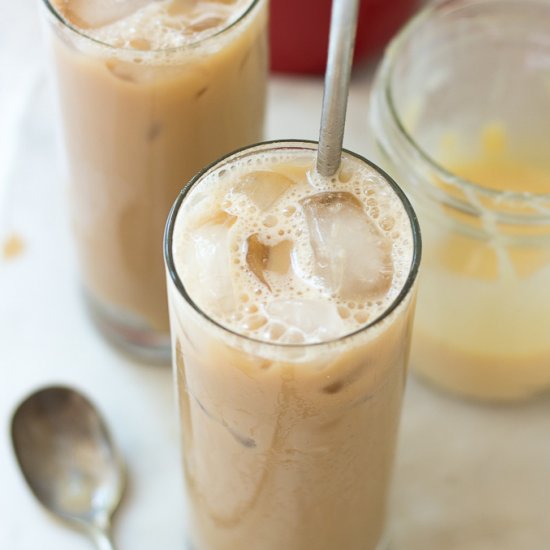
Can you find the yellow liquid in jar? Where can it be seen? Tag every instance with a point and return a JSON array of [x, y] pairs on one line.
[[483, 318], [496, 168]]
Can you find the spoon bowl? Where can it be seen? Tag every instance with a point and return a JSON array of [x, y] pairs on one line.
[[69, 459]]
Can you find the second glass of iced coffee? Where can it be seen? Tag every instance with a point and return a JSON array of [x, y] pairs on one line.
[[150, 92], [291, 302]]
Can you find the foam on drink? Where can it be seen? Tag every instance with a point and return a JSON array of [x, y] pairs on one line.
[[150, 24], [274, 251]]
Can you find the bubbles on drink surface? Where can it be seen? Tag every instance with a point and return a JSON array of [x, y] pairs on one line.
[[288, 256], [150, 24]]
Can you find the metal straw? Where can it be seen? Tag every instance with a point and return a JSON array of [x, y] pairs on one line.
[[343, 26]]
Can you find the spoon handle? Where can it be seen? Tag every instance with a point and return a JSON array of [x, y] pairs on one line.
[[102, 540]]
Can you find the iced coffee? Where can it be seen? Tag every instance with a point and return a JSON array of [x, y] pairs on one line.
[[291, 301], [150, 92]]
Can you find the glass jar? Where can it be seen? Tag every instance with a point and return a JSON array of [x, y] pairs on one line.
[[460, 115]]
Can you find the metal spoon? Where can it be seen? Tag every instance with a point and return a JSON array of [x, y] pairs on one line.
[[68, 459]]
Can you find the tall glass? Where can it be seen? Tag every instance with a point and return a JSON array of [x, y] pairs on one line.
[[287, 443], [139, 120]]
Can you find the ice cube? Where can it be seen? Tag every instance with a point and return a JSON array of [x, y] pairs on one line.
[[88, 14], [257, 255], [212, 262], [241, 438], [124, 70], [352, 256], [179, 7], [264, 188], [279, 257], [138, 73], [316, 320], [262, 258], [205, 21]]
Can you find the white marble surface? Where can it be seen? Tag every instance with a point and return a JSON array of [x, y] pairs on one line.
[[468, 477]]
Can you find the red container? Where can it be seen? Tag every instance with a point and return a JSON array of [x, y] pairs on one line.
[[299, 31]]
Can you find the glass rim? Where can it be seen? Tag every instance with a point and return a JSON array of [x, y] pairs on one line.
[[275, 145], [410, 30], [191, 45]]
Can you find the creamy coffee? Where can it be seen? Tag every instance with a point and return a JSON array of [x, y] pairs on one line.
[[151, 91], [291, 306]]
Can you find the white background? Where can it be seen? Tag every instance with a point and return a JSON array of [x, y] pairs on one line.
[[468, 477]]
